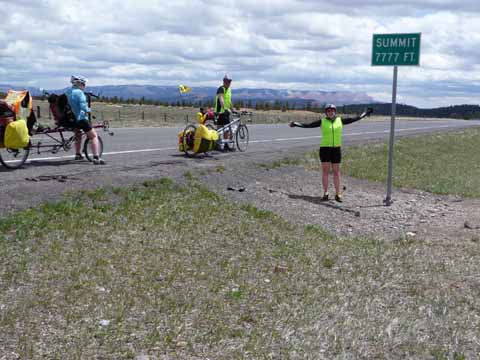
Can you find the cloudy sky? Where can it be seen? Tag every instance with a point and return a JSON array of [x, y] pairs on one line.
[[281, 44]]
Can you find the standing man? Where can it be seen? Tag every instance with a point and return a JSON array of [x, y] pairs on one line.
[[330, 147], [223, 104], [78, 102]]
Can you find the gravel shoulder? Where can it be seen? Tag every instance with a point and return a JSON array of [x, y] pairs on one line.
[[293, 192]]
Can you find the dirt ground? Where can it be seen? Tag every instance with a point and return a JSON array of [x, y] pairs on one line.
[[294, 193]]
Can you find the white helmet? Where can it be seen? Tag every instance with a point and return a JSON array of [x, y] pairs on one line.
[[330, 106], [78, 80]]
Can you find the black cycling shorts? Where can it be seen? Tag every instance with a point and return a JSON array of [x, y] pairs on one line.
[[83, 125], [331, 154], [223, 119]]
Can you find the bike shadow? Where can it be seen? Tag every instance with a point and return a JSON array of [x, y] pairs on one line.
[[198, 157], [3, 169], [37, 163], [41, 163]]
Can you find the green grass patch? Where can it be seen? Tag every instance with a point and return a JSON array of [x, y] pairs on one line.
[[280, 163], [219, 169], [447, 163], [189, 176], [442, 163], [179, 272]]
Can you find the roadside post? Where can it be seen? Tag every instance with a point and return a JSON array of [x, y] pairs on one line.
[[394, 50]]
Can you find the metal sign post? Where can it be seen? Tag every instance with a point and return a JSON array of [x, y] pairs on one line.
[[388, 199], [394, 50]]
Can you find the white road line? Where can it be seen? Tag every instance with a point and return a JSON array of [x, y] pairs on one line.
[[286, 139], [137, 151], [398, 130], [105, 153], [253, 141]]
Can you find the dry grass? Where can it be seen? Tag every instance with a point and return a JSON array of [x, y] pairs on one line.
[[129, 115], [125, 115], [179, 273]]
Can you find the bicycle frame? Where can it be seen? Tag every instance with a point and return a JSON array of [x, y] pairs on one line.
[[58, 143], [15, 158], [229, 127], [237, 119], [237, 133], [62, 141]]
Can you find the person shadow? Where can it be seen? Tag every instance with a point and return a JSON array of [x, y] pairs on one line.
[[317, 200]]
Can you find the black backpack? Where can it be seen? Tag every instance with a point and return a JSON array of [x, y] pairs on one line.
[[6, 111], [31, 120], [62, 110]]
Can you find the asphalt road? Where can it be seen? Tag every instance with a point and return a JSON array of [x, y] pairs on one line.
[[137, 154], [161, 143]]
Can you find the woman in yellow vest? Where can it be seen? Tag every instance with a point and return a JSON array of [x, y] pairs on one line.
[[330, 147]]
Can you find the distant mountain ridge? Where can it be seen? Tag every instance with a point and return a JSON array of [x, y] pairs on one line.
[[466, 111], [349, 101], [203, 93]]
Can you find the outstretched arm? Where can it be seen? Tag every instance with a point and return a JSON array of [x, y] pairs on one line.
[[347, 121], [314, 124]]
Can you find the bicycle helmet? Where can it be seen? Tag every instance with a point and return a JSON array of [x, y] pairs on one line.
[[78, 80], [330, 106], [227, 78]]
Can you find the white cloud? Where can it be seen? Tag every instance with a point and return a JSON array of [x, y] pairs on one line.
[[281, 44]]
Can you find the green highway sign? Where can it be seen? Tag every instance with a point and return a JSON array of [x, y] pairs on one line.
[[396, 49]]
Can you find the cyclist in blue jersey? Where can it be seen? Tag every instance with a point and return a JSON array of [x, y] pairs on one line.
[[78, 103]]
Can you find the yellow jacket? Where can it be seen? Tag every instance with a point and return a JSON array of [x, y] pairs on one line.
[[201, 117]]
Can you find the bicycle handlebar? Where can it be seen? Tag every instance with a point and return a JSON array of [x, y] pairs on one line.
[[367, 112], [235, 113], [88, 93]]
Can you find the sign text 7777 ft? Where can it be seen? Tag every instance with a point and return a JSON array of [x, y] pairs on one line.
[[396, 49]]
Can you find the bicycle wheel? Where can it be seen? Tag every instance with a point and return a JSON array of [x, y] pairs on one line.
[[87, 148], [242, 137], [14, 158], [188, 139]]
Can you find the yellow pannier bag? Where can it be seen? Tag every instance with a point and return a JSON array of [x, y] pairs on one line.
[[180, 141], [16, 135], [205, 139], [189, 141]]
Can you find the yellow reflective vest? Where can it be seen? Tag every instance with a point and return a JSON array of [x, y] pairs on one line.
[[332, 132]]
